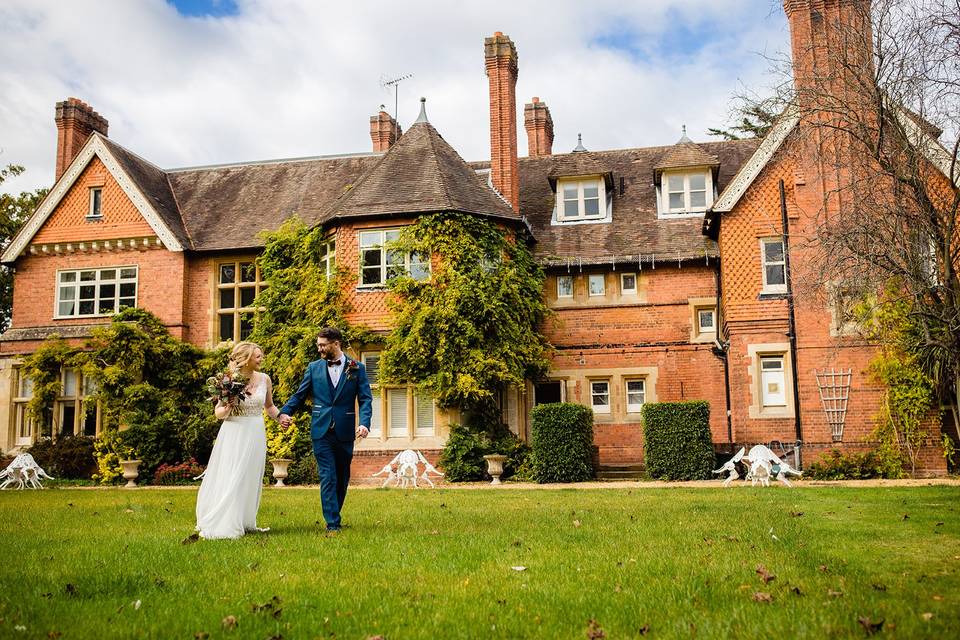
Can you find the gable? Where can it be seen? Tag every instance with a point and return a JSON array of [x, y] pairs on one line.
[[68, 221], [96, 147]]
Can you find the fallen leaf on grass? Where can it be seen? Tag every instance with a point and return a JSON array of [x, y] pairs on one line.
[[519, 568], [594, 632], [834, 594], [796, 514], [645, 629], [823, 568], [46, 595], [128, 510], [576, 523], [926, 616], [190, 539], [376, 638], [879, 587], [229, 623], [136, 605], [765, 575], [905, 517], [760, 596], [773, 535], [53, 635], [271, 605], [869, 625], [70, 589], [938, 597], [201, 635], [617, 589], [939, 524], [796, 591]]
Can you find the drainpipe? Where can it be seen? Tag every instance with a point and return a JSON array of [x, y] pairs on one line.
[[720, 349], [792, 326]]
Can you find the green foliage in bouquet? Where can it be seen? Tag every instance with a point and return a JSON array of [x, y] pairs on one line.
[[473, 328]]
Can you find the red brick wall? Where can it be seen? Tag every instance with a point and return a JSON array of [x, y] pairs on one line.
[[120, 218]]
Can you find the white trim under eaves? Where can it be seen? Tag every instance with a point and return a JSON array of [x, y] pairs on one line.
[[932, 149], [752, 168], [93, 147]]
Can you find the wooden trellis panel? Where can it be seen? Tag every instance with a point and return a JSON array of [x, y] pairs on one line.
[[834, 393]]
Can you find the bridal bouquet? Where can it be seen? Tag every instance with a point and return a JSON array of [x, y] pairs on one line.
[[229, 387]]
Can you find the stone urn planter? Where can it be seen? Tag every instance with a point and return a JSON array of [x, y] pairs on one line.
[[280, 466], [130, 472], [495, 466]]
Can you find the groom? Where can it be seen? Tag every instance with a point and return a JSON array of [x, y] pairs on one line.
[[337, 384]]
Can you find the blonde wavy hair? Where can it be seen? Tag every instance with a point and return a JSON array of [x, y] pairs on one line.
[[242, 353]]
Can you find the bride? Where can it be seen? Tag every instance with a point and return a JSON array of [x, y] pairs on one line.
[[230, 492]]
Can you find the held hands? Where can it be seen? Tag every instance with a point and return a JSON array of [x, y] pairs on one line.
[[284, 420]]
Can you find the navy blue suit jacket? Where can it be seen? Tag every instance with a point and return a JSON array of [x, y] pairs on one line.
[[338, 408]]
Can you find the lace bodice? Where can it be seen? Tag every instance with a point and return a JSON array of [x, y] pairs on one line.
[[252, 405]]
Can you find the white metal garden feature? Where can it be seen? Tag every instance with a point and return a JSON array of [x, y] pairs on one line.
[[23, 472], [763, 464], [407, 469]]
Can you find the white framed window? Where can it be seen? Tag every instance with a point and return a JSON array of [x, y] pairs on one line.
[[328, 257], [628, 284], [600, 396], [378, 264], [96, 203], [774, 266], [706, 320], [23, 395], [397, 408], [597, 284], [424, 412], [773, 381], [564, 286], [686, 193], [581, 199], [636, 395], [371, 363], [85, 293]]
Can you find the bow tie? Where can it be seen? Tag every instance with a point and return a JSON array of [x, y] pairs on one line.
[[334, 363]]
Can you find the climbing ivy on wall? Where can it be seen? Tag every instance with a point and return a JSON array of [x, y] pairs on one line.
[[473, 328]]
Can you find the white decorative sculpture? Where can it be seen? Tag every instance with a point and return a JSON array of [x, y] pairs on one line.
[[407, 472], [23, 472], [763, 464], [731, 466]]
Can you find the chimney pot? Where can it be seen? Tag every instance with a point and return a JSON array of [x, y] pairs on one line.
[[384, 131], [539, 125], [76, 122]]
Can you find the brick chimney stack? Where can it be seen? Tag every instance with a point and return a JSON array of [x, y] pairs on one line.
[[76, 121], [500, 58], [384, 131], [832, 48], [539, 126]]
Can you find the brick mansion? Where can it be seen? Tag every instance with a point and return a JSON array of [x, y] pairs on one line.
[[668, 268]]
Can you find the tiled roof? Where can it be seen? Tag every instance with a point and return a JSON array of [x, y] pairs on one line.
[[686, 154], [226, 207], [420, 173], [635, 228]]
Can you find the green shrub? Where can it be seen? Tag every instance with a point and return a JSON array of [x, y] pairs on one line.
[[677, 442], [303, 471], [863, 465], [462, 457], [69, 458], [562, 442]]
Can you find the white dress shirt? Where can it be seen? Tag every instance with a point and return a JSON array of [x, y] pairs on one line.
[[334, 371]]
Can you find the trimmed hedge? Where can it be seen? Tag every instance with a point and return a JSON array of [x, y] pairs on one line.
[[677, 441], [562, 435]]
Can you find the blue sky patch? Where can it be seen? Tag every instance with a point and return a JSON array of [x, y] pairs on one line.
[[681, 38], [203, 8]]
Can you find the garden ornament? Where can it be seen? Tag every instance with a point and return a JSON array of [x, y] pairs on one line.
[[731, 466], [407, 471], [23, 472]]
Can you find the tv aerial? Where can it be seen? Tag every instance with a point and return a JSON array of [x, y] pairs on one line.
[[394, 83]]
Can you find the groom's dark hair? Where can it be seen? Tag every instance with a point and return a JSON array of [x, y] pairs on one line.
[[331, 334]]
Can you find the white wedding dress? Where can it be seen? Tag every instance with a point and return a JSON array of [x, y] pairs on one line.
[[230, 492]]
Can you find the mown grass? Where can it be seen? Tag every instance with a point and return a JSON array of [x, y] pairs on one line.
[[658, 563]]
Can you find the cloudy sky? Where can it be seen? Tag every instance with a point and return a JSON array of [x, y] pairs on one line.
[[194, 82]]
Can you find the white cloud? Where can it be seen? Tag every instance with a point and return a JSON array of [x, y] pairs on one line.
[[290, 78]]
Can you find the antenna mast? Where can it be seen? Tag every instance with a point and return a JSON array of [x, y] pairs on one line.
[[387, 84]]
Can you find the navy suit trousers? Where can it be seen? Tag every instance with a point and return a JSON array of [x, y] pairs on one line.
[[333, 465]]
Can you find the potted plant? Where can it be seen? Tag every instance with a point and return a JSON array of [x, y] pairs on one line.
[[280, 449]]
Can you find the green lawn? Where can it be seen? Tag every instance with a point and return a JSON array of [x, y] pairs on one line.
[[667, 563]]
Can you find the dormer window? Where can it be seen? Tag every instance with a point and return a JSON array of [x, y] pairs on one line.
[[581, 199], [686, 192]]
